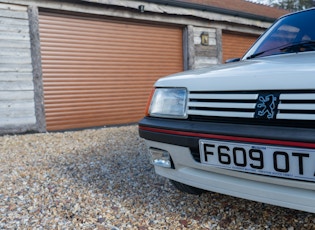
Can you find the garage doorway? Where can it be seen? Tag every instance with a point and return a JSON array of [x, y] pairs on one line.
[[234, 45], [99, 72]]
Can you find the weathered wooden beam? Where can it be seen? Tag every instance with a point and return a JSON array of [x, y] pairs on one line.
[[37, 69]]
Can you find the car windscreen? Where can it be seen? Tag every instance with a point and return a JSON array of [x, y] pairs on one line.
[[293, 33]]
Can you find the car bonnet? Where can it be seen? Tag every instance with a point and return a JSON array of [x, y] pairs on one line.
[[278, 72]]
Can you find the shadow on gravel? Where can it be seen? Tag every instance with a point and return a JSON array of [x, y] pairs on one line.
[[122, 191]]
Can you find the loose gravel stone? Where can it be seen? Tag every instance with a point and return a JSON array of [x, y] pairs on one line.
[[101, 179]]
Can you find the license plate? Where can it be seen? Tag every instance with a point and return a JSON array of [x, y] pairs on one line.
[[278, 161]]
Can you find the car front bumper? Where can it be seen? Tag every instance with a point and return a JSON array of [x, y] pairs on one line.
[[180, 139]]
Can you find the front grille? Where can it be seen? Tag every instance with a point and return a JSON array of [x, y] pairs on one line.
[[298, 106], [291, 109], [222, 104], [290, 105]]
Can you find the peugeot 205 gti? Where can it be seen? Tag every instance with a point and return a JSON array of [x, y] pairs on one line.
[[247, 128]]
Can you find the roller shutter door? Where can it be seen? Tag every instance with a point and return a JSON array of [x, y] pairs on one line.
[[100, 72], [234, 45]]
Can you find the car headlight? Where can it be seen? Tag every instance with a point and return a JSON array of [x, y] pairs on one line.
[[169, 103]]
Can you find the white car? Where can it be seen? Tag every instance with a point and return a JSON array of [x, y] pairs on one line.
[[246, 128]]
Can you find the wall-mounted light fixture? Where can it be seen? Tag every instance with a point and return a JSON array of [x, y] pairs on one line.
[[141, 8], [204, 38]]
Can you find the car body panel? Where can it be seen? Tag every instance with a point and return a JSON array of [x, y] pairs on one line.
[[247, 186], [250, 75], [261, 102]]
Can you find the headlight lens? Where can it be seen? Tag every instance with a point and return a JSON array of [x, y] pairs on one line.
[[169, 102]]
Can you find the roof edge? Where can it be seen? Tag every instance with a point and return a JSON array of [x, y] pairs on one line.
[[201, 7]]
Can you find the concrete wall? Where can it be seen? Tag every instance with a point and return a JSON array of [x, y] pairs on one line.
[[17, 107]]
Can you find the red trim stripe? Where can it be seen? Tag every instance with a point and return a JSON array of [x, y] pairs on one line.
[[230, 138]]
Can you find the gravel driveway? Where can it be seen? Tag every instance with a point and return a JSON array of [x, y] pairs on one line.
[[101, 179]]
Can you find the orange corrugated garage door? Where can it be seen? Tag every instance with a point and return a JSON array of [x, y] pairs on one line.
[[234, 45], [100, 72]]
